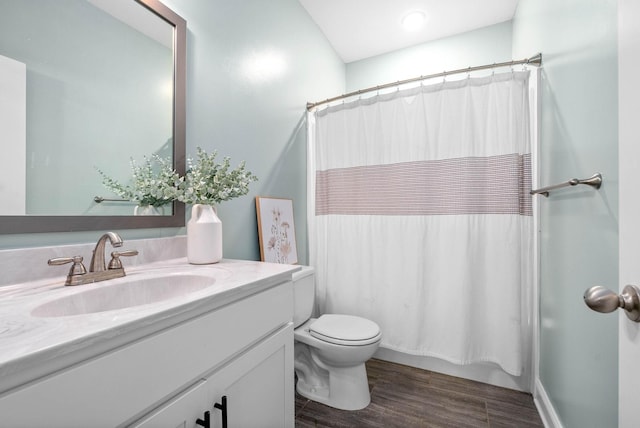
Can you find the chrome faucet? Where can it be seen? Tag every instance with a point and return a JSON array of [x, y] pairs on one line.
[[98, 269]]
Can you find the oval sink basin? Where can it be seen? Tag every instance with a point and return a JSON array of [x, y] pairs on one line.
[[126, 292]]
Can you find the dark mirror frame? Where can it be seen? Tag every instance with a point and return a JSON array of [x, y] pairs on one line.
[[39, 224]]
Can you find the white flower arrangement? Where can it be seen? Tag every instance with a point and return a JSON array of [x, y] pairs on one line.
[[206, 182], [155, 182], [209, 183]]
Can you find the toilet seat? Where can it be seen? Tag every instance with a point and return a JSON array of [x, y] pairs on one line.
[[346, 330]]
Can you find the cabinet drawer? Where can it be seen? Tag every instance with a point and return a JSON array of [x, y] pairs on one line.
[[116, 387]]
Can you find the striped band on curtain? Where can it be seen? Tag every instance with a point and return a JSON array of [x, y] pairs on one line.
[[478, 185]]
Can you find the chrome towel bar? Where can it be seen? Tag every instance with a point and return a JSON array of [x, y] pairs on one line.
[[100, 199], [594, 181]]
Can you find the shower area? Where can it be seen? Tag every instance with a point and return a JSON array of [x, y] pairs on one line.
[[421, 219]]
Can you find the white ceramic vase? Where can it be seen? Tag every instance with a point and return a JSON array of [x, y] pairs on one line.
[[147, 210], [204, 235]]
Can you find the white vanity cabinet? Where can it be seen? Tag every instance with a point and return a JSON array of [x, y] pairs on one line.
[[242, 350]]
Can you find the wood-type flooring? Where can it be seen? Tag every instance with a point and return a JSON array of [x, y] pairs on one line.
[[408, 397]]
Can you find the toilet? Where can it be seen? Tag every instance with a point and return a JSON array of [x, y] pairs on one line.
[[330, 351]]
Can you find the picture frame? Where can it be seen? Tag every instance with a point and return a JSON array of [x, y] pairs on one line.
[[276, 230]]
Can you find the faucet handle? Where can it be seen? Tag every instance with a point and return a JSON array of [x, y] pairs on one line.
[[76, 269], [115, 262]]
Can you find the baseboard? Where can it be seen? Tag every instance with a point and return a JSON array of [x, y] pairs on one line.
[[485, 373], [545, 408]]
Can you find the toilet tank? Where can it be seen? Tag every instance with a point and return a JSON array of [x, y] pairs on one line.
[[304, 294]]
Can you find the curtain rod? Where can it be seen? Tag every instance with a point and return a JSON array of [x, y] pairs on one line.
[[535, 60]]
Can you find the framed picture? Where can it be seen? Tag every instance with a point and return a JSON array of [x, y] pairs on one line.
[[276, 230]]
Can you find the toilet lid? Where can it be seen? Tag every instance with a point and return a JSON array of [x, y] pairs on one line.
[[346, 330]]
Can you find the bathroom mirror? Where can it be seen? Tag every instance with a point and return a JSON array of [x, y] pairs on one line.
[[87, 85]]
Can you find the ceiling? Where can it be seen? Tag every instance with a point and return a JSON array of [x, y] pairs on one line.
[[359, 29]]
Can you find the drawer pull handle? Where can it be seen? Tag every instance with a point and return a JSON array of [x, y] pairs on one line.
[[206, 423], [223, 407]]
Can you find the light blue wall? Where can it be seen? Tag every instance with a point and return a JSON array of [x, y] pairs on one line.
[[236, 105], [247, 111], [579, 227], [483, 46]]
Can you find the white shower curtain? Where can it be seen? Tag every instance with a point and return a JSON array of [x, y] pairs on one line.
[[420, 216]]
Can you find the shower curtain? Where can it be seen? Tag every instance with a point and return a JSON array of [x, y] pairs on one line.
[[420, 217]]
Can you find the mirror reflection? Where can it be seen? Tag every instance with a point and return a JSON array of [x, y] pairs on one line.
[[84, 85]]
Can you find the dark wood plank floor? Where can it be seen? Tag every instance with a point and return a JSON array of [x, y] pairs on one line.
[[403, 396]]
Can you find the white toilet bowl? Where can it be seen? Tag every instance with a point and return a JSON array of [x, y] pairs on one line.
[[330, 351]]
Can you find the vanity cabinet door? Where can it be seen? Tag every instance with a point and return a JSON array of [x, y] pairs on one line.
[[258, 385], [183, 411]]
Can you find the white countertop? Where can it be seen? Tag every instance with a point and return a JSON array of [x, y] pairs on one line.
[[32, 346]]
